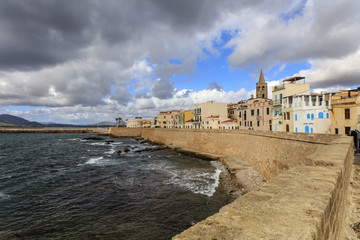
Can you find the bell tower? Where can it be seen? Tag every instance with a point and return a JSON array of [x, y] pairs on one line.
[[261, 87]]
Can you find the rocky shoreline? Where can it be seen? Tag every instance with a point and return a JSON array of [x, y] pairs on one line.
[[239, 179]]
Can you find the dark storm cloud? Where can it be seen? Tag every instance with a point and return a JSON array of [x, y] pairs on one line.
[[122, 96], [37, 33]]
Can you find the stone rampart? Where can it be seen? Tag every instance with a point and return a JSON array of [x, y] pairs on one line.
[[125, 132], [307, 201]]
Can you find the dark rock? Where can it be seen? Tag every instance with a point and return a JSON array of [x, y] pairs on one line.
[[109, 141], [93, 138]]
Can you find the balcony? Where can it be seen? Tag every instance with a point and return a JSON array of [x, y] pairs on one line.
[[277, 103]]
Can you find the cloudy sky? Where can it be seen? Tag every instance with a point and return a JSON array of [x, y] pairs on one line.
[[86, 61]]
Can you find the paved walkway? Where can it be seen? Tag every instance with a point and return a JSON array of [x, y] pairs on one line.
[[357, 159], [354, 191]]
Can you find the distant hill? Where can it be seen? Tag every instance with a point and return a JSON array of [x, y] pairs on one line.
[[108, 124], [10, 120]]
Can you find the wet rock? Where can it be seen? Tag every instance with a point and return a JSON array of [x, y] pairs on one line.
[[127, 150], [144, 150], [109, 141], [93, 138]]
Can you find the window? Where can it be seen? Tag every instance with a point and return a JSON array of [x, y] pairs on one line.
[[288, 115], [263, 88], [312, 116], [258, 111], [307, 129], [275, 112], [321, 115], [347, 130], [252, 112], [275, 127], [267, 111], [295, 117], [281, 96], [218, 122], [275, 99], [336, 131], [312, 130], [240, 114], [284, 116], [308, 116], [280, 111], [296, 130], [244, 115], [240, 123], [347, 113], [245, 123], [327, 115], [250, 123], [258, 123]]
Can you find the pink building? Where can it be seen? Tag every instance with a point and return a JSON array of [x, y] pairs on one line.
[[256, 113]]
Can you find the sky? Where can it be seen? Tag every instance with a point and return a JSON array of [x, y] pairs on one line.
[[88, 61]]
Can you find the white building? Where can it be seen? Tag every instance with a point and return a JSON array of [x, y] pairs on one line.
[[311, 113], [134, 123], [229, 124]]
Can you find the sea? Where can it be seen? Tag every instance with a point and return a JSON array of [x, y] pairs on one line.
[[81, 186]]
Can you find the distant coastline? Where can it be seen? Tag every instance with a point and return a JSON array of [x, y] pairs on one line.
[[104, 131]]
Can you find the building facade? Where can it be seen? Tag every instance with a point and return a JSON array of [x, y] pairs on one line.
[[345, 111], [289, 87], [134, 123], [307, 113], [186, 116], [210, 108], [255, 114]]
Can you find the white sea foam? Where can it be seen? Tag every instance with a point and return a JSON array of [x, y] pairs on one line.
[[94, 160], [98, 144], [4, 196], [196, 180], [73, 139], [111, 151]]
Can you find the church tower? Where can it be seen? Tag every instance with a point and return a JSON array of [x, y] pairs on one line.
[[261, 87]]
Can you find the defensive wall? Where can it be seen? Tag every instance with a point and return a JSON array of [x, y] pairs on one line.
[[305, 196]]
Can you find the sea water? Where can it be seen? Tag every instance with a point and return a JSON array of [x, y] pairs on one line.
[[70, 186]]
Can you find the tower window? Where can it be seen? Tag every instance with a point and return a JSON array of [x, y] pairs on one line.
[[347, 113]]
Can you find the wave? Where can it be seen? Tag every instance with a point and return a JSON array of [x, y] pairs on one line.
[[111, 151], [196, 180], [94, 160]]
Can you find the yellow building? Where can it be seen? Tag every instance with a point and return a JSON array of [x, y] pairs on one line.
[[186, 116], [210, 108], [146, 123], [345, 111], [163, 119], [289, 87]]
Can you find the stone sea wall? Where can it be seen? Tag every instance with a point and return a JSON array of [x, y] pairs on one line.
[[306, 193]]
